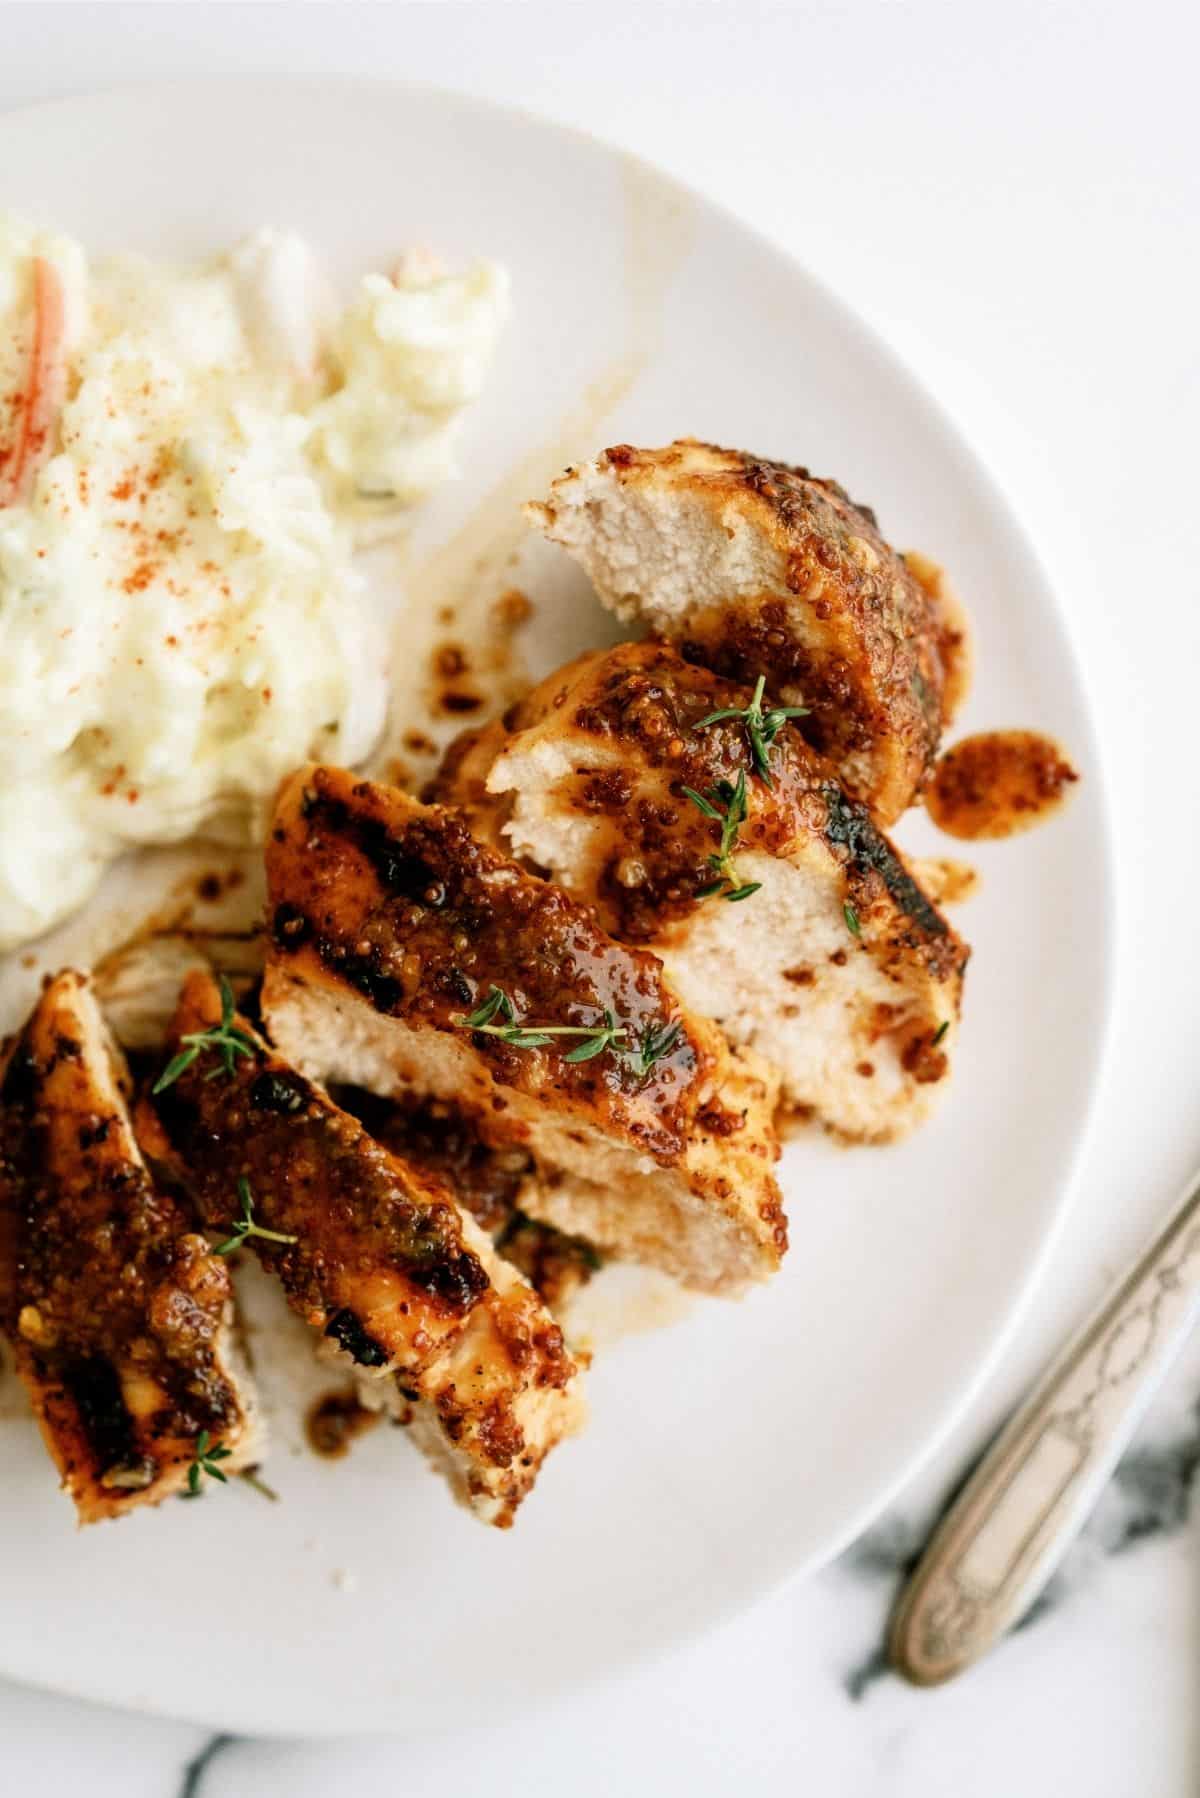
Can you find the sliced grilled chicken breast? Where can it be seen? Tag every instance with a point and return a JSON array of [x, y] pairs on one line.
[[119, 1314], [377, 1256], [836, 967], [391, 926], [757, 568]]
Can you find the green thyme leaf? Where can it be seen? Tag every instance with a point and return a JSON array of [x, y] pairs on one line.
[[728, 803], [594, 1039], [225, 1038], [246, 1226], [729, 711], [207, 1454], [588, 1051], [496, 1001], [177, 1065], [656, 1044], [761, 727], [704, 805]]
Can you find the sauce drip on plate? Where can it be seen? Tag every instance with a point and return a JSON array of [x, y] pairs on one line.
[[954, 631], [998, 783], [334, 1421]]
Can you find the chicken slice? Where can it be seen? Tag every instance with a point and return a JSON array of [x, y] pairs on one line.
[[119, 1314], [391, 926], [492, 1183], [462, 776], [755, 568], [837, 968], [375, 1255]]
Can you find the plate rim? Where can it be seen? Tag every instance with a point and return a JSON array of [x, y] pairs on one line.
[[867, 338]]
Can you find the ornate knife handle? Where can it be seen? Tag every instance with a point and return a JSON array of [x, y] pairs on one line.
[[1018, 1513]]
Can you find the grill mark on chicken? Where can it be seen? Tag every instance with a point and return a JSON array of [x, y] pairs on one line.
[[851, 827], [345, 1329], [94, 1387]]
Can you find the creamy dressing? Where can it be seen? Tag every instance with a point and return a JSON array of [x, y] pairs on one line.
[[188, 458]]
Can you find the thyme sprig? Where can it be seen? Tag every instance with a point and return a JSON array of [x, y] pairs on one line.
[[654, 1045], [594, 1038], [253, 1479], [208, 1453], [225, 1037], [732, 797], [853, 921], [246, 1226], [761, 727]]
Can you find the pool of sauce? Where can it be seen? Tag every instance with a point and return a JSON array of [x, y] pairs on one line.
[[998, 783], [946, 881], [954, 631], [335, 1421], [487, 676]]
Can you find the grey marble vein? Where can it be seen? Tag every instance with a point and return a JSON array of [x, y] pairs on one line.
[[197, 1767]]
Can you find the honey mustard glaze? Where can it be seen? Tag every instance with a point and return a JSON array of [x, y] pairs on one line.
[[997, 784]]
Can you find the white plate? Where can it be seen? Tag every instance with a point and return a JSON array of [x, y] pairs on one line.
[[745, 1442]]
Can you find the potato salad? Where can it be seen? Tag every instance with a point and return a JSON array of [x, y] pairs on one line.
[[188, 459]]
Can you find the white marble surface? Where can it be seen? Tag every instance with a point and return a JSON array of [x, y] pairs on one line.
[[1010, 192]]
